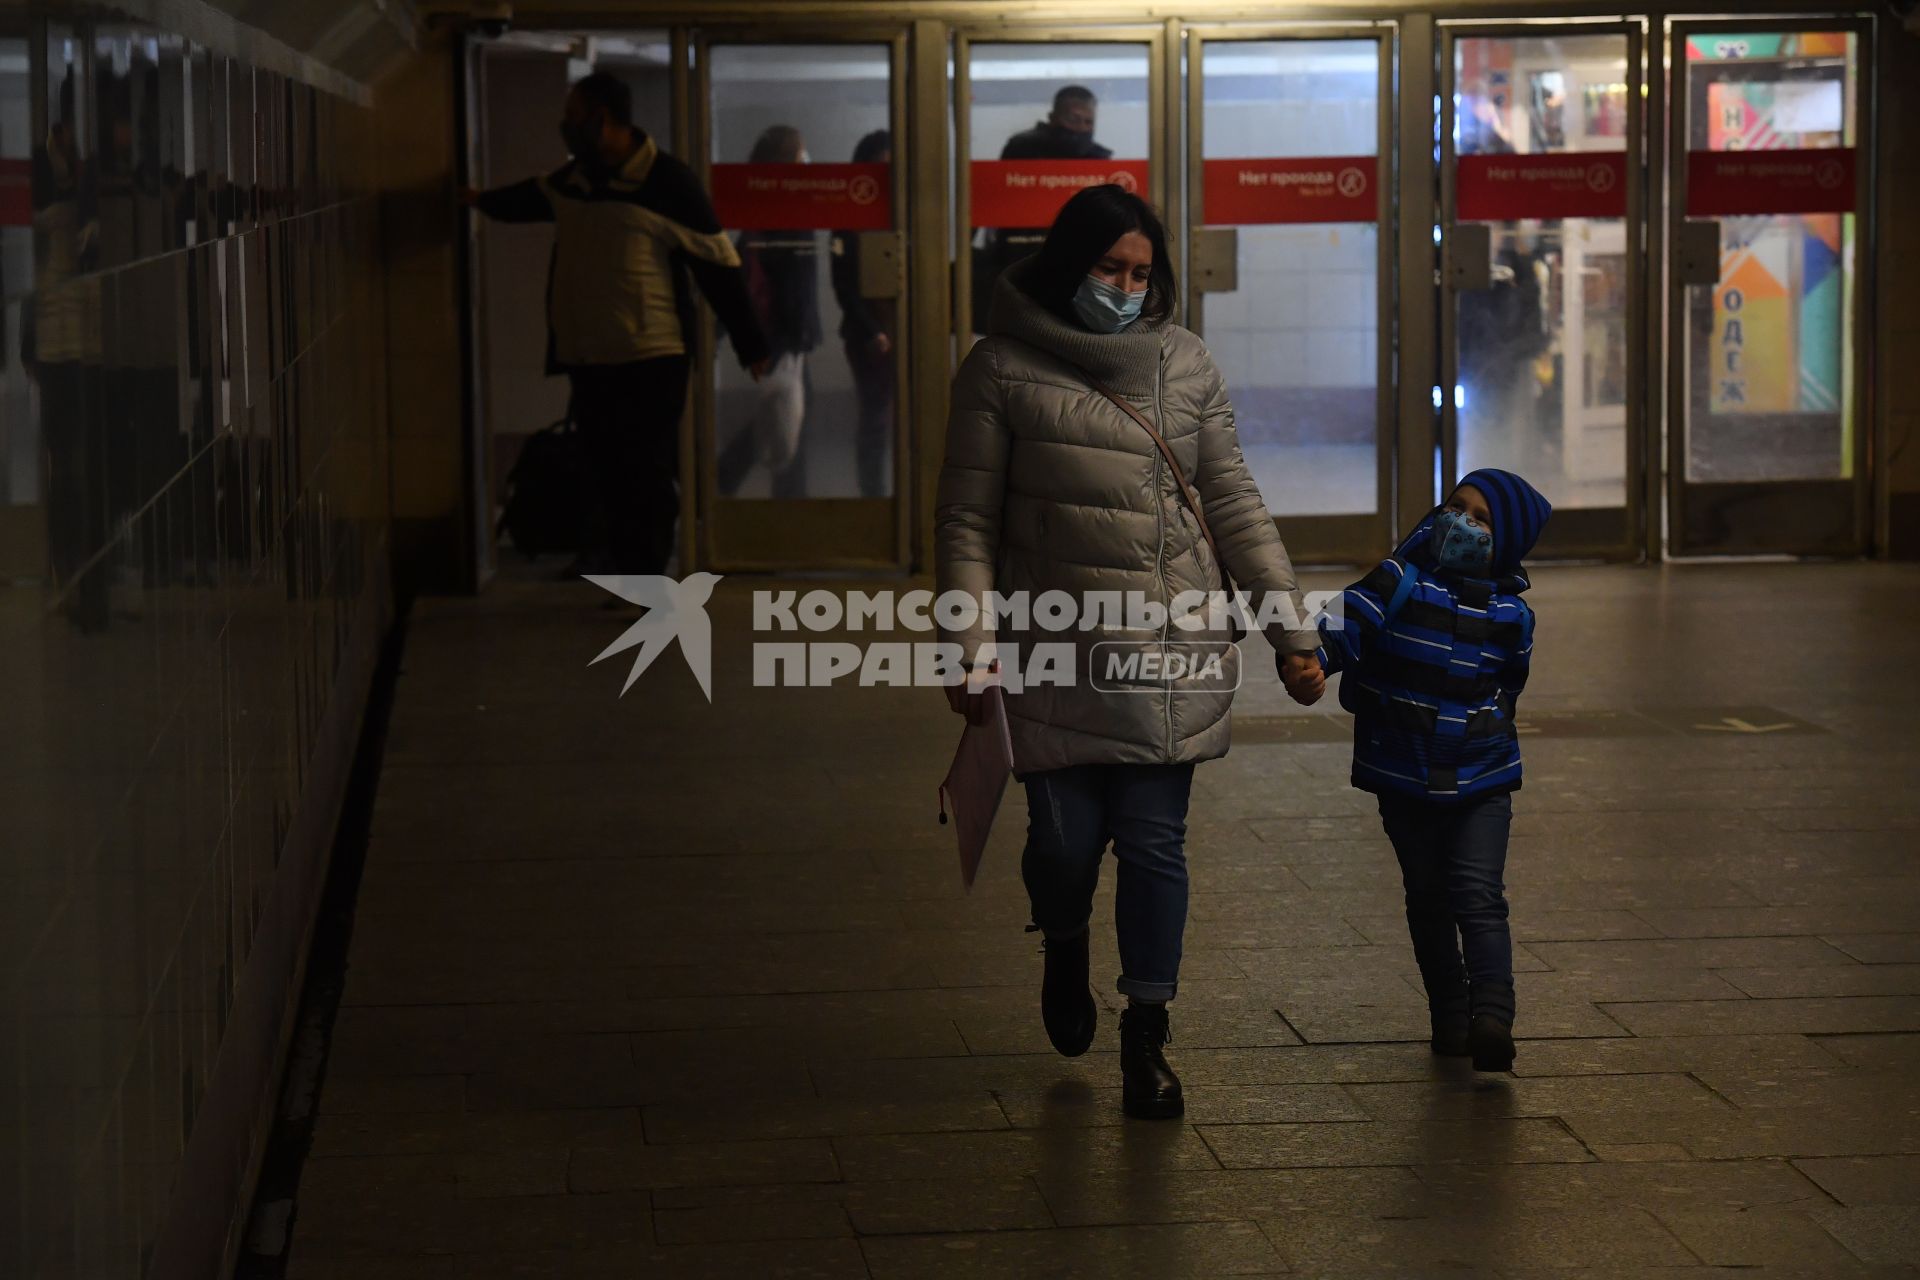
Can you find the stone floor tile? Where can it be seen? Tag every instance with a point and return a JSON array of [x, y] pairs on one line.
[[577, 1223], [776, 1220], [1688, 953], [517, 1173], [1891, 1052], [1880, 1233], [1827, 980], [909, 1207], [1863, 1180], [744, 1119], [389, 1094], [1167, 1252], [1199, 1195], [1625, 1055], [1758, 1017], [633, 1167], [1483, 1095], [788, 1259], [1077, 1106], [1755, 1238], [1880, 948], [1495, 1139], [1135, 1147], [1682, 1183], [1514, 1235]]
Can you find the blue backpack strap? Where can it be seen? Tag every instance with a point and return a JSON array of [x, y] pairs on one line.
[[1402, 589]]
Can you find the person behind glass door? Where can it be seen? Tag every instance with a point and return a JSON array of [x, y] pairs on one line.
[[867, 328], [1066, 134], [783, 281], [631, 226]]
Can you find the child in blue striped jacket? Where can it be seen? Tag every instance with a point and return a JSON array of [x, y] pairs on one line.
[[1436, 644]]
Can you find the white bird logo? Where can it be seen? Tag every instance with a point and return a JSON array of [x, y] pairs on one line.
[[675, 610]]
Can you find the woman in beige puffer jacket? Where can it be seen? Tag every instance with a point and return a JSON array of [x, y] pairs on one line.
[[1050, 486]]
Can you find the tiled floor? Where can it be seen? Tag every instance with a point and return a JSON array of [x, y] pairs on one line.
[[646, 987]]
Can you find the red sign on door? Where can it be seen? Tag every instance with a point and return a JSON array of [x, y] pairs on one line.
[[16, 193], [804, 197], [1570, 185], [1724, 183], [1309, 189], [1027, 193]]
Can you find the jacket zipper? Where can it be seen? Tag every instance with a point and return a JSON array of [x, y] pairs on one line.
[[1160, 556]]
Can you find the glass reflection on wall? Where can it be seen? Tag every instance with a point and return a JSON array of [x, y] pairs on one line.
[[192, 513], [821, 422]]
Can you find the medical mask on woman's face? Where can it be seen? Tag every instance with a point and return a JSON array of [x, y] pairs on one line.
[[1106, 308], [1462, 544]]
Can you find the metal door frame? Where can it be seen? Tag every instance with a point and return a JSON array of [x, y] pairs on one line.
[[842, 528], [1162, 136], [1578, 532], [1804, 537], [1344, 539]]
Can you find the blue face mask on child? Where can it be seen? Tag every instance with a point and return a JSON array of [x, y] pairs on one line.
[[1461, 544], [1106, 308]]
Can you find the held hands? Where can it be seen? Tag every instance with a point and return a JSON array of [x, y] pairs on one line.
[[1303, 678]]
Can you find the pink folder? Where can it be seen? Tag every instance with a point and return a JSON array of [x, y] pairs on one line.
[[977, 780]]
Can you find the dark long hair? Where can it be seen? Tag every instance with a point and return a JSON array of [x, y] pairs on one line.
[[1085, 228]]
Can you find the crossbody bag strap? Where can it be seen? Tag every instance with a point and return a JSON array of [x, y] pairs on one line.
[[1179, 476]]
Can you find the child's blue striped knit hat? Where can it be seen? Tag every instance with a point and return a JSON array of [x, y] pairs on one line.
[[1519, 513]]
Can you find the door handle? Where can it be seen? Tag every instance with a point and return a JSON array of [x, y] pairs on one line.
[[1215, 253], [1696, 258], [1470, 256], [880, 261]]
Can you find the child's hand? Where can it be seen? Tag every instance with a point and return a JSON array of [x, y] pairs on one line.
[[1301, 674]]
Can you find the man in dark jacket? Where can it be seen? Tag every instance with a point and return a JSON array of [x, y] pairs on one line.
[[1066, 134], [631, 225]]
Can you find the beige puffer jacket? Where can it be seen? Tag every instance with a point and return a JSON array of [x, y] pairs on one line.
[[1048, 486]]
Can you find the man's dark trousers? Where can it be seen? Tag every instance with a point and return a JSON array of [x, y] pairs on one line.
[[628, 416]]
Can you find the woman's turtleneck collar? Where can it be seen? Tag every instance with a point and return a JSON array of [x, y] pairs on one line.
[[1126, 362]]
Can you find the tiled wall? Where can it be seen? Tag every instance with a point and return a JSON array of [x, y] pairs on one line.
[[196, 522]]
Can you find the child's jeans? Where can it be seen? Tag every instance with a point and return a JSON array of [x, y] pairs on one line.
[[1452, 859], [1142, 808]]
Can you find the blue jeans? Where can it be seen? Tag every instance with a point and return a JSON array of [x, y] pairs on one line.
[[1452, 860], [1142, 808]]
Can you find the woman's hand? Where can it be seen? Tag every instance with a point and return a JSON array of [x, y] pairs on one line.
[[1301, 674]]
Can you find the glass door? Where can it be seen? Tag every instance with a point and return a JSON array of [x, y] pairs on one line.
[[1038, 114], [1288, 198], [1768, 298], [798, 138], [1542, 315]]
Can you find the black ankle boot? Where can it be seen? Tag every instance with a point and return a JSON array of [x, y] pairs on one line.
[[1447, 1016], [1491, 1037], [1150, 1090], [1066, 1002]]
